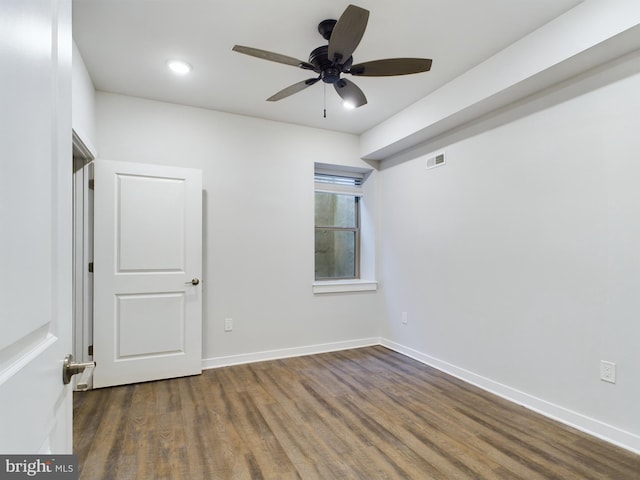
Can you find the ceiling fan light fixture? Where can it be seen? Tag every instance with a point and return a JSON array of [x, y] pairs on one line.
[[179, 67], [349, 105]]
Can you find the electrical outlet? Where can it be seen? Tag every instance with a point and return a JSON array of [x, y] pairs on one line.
[[228, 324], [405, 318], [607, 371]]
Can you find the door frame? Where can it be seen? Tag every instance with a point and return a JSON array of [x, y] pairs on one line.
[[83, 155]]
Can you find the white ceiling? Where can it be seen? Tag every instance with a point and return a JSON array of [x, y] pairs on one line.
[[125, 45]]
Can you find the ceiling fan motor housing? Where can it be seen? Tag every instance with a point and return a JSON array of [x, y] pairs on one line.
[[328, 70]]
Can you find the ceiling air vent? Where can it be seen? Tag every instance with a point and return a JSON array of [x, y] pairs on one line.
[[436, 161]]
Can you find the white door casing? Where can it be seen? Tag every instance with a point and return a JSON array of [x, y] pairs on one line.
[[147, 250], [35, 226]]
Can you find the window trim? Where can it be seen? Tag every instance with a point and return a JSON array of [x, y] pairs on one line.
[[344, 286]]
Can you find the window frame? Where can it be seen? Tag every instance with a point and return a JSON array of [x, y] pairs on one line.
[[356, 230], [366, 242]]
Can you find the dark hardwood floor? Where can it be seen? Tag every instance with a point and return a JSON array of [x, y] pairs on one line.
[[367, 413]]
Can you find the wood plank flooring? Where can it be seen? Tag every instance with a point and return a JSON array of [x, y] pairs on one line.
[[367, 413]]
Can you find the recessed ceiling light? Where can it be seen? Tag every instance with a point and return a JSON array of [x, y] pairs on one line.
[[179, 67]]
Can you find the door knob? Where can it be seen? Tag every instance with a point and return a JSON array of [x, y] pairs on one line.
[[195, 281], [69, 368]]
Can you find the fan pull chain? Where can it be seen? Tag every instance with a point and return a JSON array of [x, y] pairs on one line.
[[325, 99]]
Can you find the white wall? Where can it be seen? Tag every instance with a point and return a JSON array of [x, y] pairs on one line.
[[518, 262], [83, 101], [259, 218]]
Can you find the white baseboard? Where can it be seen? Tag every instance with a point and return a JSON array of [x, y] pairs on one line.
[[216, 362], [609, 433]]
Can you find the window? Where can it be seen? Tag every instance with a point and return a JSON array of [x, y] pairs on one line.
[[337, 225]]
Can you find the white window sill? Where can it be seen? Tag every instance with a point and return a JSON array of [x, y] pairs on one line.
[[343, 286]]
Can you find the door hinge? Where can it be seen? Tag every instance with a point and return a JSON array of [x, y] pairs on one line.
[[92, 184], [90, 350], [90, 267]]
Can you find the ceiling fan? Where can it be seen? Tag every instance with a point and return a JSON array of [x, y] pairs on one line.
[[332, 60]]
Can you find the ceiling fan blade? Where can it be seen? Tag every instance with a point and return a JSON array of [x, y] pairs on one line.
[[272, 57], [291, 89], [350, 92], [391, 66], [347, 33]]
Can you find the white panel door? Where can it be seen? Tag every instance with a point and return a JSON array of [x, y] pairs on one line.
[[35, 226], [147, 272]]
